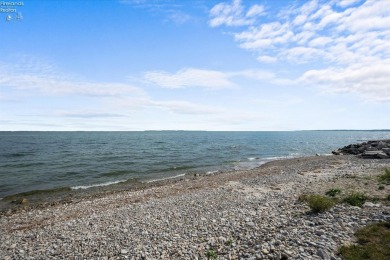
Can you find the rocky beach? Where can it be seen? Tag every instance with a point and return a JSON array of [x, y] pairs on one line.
[[252, 214]]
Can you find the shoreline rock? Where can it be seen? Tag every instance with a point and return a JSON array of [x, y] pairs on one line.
[[374, 149]]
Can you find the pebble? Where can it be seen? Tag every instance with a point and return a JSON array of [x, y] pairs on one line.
[[246, 219]]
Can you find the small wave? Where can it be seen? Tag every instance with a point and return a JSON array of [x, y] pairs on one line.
[[97, 185], [114, 173], [211, 172], [16, 155], [281, 157], [167, 178], [248, 165], [176, 168], [26, 165]]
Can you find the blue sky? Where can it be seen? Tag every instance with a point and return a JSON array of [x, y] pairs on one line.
[[195, 65]]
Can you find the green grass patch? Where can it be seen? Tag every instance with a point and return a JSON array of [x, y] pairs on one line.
[[333, 192], [373, 243], [385, 177], [317, 203], [211, 254], [229, 242], [355, 199]]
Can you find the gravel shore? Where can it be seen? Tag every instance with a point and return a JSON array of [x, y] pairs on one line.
[[251, 214]]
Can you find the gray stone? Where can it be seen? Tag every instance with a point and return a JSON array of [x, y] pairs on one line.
[[362, 148], [323, 254], [353, 151], [285, 255], [381, 145], [375, 154], [382, 155], [337, 152], [370, 204]]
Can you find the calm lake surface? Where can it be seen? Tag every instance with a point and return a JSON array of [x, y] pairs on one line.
[[46, 160]]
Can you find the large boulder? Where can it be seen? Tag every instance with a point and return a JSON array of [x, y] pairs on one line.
[[374, 155], [375, 149]]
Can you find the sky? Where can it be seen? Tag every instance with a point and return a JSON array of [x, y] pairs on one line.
[[236, 65]]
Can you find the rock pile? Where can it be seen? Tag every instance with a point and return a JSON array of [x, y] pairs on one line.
[[376, 149]]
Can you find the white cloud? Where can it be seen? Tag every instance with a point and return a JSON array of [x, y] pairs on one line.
[[87, 114], [266, 36], [119, 105], [345, 3], [190, 77], [173, 11], [309, 7], [371, 15], [371, 82], [290, 101], [260, 75], [42, 77], [303, 54], [233, 14], [267, 59], [185, 107], [179, 17], [255, 10], [335, 35], [210, 79], [320, 41], [300, 19], [321, 26]]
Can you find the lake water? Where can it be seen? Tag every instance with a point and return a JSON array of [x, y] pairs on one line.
[[46, 160]]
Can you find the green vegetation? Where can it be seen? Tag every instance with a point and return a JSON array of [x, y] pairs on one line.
[[211, 254], [303, 198], [318, 203], [373, 243], [333, 192], [385, 178], [229, 242], [356, 199]]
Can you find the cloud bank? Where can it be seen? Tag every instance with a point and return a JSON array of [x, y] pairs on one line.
[[349, 41]]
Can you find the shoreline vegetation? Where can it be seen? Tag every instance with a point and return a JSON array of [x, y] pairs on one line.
[[300, 208]]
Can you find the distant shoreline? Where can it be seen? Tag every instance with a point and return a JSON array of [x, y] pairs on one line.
[[297, 130]]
